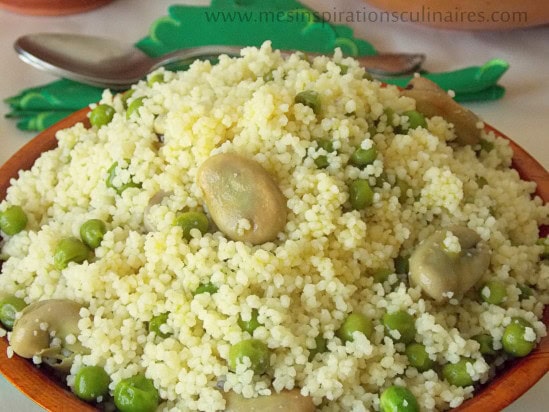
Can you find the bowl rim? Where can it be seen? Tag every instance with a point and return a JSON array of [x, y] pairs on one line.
[[512, 382], [51, 8]]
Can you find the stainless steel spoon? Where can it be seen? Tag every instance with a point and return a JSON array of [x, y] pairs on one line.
[[108, 63]]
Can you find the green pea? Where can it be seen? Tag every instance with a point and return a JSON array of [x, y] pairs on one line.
[[418, 357], [13, 220], [456, 373], [486, 344], [398, 399], [126, 96], [68, 250], [101, 115], [381, 179], [10, 306], [136, 394], [91, 382], [404, 187], [134, 106], [514, 339], [486, 145], [481, 182], [251, 324], [402, 264], [382, 275], [360, 194], [363, 157], [415, 119], [92, 232], [269, 77], [545, 243], [325, 144], [368, 76], [206, 288], [343, 68], [355, 322], [401, 322], [525, 292], [494, 292], [389, 115], [155, 325], [111, 174], [253, 349], [322, 162], [321, 346], [192, 220], [309, 98], [155, 78]]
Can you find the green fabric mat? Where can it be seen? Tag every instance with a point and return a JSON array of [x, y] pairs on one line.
[[287, 23]]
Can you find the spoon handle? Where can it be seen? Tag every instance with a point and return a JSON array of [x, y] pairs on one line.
[[383, 64]]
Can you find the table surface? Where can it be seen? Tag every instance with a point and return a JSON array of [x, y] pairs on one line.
[[520, 114]]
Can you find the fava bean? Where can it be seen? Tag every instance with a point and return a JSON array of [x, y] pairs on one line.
[[42, 321], [242, 198], [443, 275]]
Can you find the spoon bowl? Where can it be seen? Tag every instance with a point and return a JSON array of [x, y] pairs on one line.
[[108, 63]]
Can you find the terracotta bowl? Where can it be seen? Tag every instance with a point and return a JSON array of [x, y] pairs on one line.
[[51, 7], [468, 14], [513, 381]]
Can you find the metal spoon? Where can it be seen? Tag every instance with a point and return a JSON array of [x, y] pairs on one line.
[[112, 64]]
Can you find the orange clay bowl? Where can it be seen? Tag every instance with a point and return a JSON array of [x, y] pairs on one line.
[[509, 384], [51, 7]]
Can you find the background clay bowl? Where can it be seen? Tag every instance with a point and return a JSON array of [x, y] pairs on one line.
[[51, 7], [510, 383], [469, 14]]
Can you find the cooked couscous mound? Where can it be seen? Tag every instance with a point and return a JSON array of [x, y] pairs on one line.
[[334, 257]]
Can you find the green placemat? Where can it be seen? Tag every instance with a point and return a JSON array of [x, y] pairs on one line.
[[287, 23]]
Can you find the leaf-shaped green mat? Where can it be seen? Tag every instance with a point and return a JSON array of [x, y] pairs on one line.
[[287, 23]]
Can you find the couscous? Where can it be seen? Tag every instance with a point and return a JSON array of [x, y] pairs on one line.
[[269, 228]]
